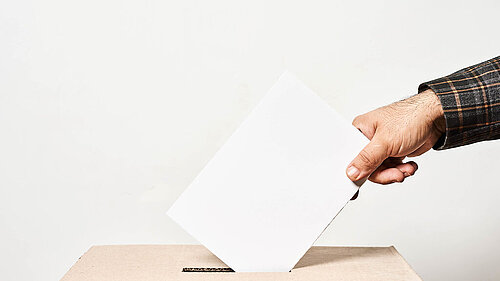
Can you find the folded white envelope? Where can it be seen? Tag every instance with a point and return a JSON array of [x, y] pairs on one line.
[[275, 185]]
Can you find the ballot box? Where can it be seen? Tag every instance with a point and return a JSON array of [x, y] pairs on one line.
[[195, 262]]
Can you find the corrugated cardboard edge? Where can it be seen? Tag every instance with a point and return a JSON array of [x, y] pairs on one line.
[[66, 275], [396, 253]]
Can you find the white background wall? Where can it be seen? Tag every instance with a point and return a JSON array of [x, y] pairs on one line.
[[108, 109]]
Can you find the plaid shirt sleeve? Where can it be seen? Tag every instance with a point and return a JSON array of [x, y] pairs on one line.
[[471, 103]]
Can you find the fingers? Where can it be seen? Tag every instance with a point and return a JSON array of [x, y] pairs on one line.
[[387, 176], [367, 160], [392, 171], [408, 168]]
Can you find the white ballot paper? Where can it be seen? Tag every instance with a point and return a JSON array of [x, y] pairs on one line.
[[275, 185]]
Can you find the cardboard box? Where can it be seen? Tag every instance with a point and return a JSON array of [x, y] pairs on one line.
[[169, 262]]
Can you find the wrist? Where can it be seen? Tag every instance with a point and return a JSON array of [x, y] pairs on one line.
[[433, 103], [435, 111]]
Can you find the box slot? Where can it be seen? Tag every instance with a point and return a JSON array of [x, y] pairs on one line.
[[207, 269]]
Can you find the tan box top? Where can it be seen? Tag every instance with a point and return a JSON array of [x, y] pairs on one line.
[[166, 262]]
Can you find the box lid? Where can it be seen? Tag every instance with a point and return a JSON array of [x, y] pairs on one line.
[[166, 262]]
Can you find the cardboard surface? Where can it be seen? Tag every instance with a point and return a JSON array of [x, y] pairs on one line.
[[165, 262], [275, 185]]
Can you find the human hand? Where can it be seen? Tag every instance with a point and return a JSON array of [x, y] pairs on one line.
[[405, 128]]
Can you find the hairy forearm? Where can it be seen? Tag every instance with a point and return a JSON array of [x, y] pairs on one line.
[[434, 113]]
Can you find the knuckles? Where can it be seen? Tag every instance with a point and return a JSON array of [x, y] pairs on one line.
[[356, 122], [366, 124]]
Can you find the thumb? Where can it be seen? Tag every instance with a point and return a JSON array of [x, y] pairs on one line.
[[368, 159]]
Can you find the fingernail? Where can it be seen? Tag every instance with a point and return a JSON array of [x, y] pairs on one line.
[[353, 172], [406, 174]]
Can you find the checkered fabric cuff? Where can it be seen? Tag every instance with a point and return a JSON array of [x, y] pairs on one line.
[[471, 103]]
